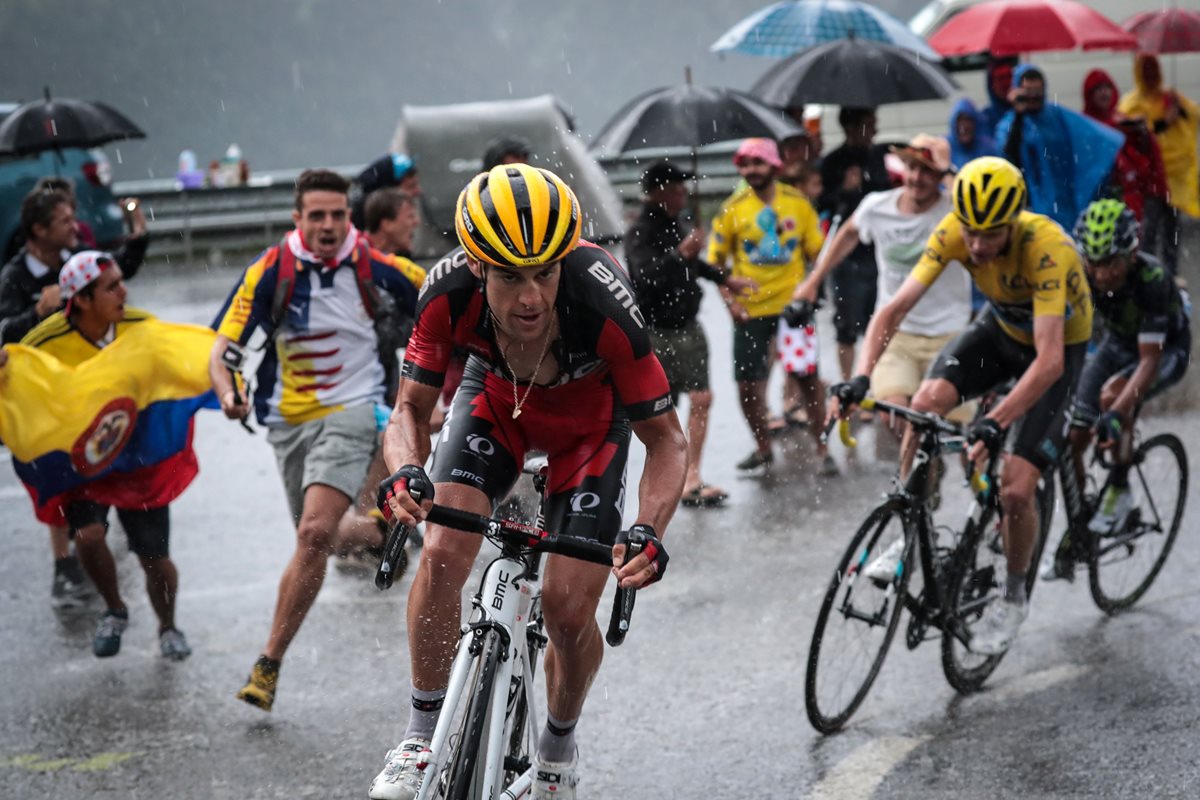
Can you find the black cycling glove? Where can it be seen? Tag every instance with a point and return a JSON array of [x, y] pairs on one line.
[[644, 536], [410, 478], [1108, 427], [852, 392], [988, 431]]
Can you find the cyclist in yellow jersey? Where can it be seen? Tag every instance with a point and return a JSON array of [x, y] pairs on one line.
[[769, 231], [1035, 330]]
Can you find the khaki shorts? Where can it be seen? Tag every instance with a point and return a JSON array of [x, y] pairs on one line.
[[904, 365], [334, 450], [683, 353]]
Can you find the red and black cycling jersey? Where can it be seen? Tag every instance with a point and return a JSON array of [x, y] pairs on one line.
[[603, 338]]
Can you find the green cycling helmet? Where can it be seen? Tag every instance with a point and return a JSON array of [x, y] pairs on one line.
[[1106, 228]]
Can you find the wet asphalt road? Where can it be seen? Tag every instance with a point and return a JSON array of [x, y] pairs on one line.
[[704, 700]]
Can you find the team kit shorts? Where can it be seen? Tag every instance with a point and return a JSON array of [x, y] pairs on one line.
[[1111, 359], [983, 357]]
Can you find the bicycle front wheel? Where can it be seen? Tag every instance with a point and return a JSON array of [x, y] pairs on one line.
[[857, 621], [1122, 564]]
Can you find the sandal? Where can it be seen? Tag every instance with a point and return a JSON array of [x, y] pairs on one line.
[[696, 498]]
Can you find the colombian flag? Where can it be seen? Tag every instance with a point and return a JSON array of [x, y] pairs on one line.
[[117, 428]]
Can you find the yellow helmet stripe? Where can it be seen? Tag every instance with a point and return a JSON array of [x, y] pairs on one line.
[[539, 202], [505, 206], [475, 208], [564, 218]]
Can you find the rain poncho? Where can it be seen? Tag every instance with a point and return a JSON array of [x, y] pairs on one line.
[[982, 145], [1065, 156], [992, 114], [1178, 141], [1139, 171]]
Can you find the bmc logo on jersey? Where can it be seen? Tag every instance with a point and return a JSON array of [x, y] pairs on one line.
[[618, 290], [584, 501], [480, 445], [442, 268]]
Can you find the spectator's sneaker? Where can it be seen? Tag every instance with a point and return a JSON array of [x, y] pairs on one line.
[[402, 774], [756, 461], [828, 468], [1114, 509], [1055, 568], [70, 588], [996, 630], [555, 780], [260, 686], [107, 641], [883, 567], [173, 645]]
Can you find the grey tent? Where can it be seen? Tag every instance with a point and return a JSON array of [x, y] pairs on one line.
[[448, 142]]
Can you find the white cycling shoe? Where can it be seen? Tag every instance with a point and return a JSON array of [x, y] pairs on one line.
[[555, 780], [401, 776], [997, 628], [1114, 509], [883, 567]]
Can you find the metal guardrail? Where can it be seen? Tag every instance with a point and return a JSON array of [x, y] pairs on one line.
[[206, 222]]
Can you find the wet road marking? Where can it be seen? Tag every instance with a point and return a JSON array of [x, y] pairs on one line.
[[1038, 681], [860, 773], [102, 762]]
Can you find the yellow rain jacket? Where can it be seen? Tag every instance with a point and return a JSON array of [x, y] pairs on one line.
[[1177, 142]]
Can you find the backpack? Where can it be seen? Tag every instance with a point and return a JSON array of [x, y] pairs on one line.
[[380, 306]]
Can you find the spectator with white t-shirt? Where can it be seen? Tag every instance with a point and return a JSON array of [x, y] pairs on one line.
[[898, 223]]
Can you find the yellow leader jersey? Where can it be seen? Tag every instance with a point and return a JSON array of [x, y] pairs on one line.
[[1037, 275], [770, 244], [56, 336]]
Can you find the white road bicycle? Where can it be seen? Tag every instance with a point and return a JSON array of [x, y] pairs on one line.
[[483, 745]]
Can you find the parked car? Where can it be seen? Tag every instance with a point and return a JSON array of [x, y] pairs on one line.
[[89, 170]]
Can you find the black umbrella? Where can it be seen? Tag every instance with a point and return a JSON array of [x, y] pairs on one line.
[[61, 123], [690, 116], [853, 72]]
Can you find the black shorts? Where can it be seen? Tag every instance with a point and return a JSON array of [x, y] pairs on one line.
[[148, 531], [855, 289], [584, 434], [1113, 357], [984, 356], [754, 348]]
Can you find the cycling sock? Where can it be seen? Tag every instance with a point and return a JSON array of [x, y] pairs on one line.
[[557, 744], [425, 709], [1014, 588]]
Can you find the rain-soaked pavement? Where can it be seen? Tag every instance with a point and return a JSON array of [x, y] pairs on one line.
[[704, 700]]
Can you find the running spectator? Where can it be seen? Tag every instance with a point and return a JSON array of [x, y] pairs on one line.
[[1064, 156], [316, 295], [391, 170], [848, 174], [1139, 172], [93, 288], [1174, 120], [505, 150], [665, 266], [998, 79], [769, 231], [898, 223], [969, 137]]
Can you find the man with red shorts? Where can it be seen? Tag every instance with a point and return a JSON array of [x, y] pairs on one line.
[[559, 361]]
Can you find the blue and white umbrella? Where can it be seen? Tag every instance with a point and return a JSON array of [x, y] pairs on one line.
[[783, 29]]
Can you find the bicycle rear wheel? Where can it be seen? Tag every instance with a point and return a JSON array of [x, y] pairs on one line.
[[856, 623], [1123, 564], [977, 579]]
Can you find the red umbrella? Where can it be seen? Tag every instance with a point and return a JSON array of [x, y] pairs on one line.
[[1011, 27], [1168, 30]]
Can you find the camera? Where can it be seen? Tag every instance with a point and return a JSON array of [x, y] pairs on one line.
[[798, 313]]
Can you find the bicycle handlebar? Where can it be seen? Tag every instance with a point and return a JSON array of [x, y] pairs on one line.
[[520, 535]]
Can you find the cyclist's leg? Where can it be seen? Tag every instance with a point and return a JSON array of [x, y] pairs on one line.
[[1108, 360]]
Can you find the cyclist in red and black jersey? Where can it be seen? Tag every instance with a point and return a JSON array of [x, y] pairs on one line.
[[559, 361]]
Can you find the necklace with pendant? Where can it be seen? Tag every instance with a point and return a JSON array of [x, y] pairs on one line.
[[517, 403]]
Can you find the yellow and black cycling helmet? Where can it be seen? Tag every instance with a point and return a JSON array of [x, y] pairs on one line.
[[516, 215], [988, 193]]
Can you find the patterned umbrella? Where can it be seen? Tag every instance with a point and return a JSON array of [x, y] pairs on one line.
[[793, 25], [1168, 30]]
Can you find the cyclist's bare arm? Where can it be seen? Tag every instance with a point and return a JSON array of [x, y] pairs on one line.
[[843, 244], [406, 440], [1047, 367], [886, 322], [1139, 383], [660, 488], [222, 381]]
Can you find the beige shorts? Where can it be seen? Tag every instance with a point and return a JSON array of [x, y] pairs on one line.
[[904, 364], [334, 450]]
